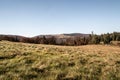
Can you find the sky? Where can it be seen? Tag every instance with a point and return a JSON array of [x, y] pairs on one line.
[[35, 17]]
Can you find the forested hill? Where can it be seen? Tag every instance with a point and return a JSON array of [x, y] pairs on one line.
[[43, 39], [65, 39], [65, 35]]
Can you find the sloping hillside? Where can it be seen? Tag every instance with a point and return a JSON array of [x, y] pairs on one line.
[[58, 39], [77, 35], [21, 61], [65, 35]]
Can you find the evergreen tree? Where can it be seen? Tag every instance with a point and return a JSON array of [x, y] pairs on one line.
[[107, 38]]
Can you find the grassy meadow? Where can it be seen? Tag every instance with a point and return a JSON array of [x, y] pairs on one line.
[[22, 61]]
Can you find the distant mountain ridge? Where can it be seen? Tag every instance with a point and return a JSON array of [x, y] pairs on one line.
[[68, 35], [45, 39], [77, 34], [65, 39]]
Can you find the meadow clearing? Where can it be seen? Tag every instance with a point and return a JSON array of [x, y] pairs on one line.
[[23, 61]]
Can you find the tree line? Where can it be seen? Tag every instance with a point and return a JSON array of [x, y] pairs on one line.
[[71, 41], [104, 38]]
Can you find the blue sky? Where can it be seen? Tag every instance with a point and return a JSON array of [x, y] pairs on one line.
[[34, 17]]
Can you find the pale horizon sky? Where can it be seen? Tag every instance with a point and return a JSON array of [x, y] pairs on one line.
[[35, 17]]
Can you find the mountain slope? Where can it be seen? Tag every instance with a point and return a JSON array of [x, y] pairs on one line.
[[65, 35]]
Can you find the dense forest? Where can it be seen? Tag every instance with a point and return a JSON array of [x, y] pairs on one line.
[[70, 41]]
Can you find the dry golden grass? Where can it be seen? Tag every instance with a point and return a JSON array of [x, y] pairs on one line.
[[21, 61]]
